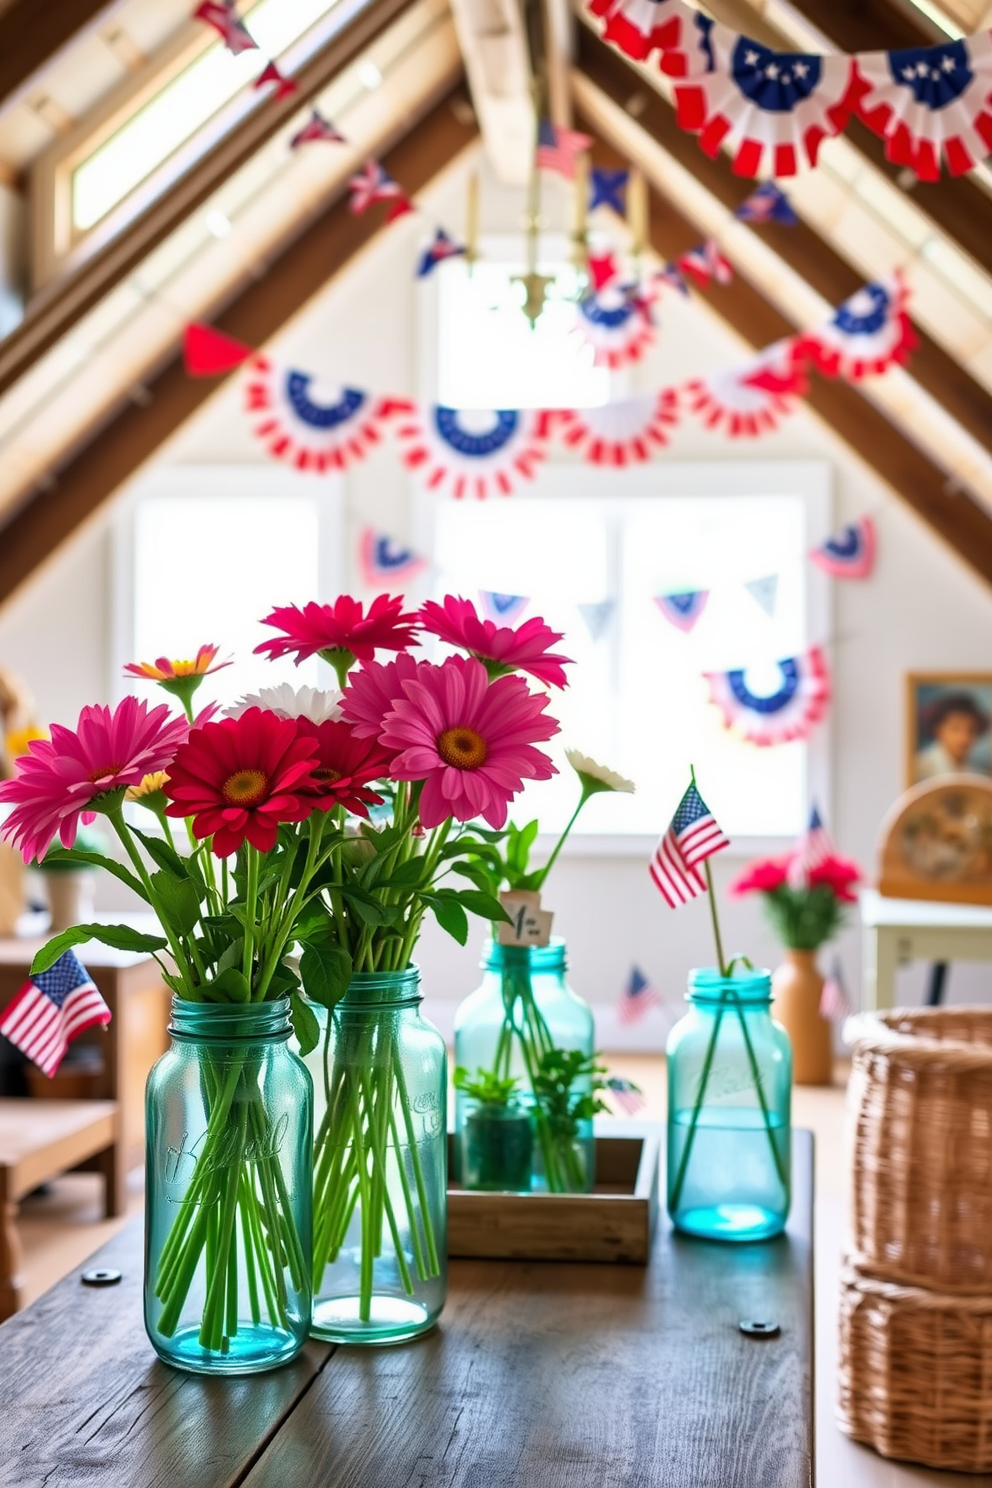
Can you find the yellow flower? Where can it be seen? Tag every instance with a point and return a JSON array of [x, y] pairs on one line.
[[164, 670], [18, 740], [151, 786]]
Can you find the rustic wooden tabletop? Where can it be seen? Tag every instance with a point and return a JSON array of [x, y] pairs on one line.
[[541, 1375]]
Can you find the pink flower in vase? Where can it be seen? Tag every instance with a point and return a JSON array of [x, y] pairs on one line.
[[501, 649], [340, 629], [762, 877], [470, 741], [839, 875], [69, 778]]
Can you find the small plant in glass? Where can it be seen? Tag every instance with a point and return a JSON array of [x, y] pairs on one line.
[[499, 1138]]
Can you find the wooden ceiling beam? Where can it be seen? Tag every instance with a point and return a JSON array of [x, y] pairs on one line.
[[962, 522], [32, 35], [134, 434], [964, 399], [53, 312]]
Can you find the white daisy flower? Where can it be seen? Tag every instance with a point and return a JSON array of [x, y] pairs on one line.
[[596, 777], [288, 701]]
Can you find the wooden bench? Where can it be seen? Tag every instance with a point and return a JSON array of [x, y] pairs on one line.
[[40, 1140]]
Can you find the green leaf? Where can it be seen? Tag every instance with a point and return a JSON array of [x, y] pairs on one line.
[[231, 955], [120, 937], [283, 982], [449, 915], [62, 856], [161, 853], [179, 898], [325, 971], [232, 985], [368, 908], [483, 904], [305, 1024], [476, 875], [404, 875]]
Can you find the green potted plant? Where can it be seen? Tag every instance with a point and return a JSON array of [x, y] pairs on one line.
[[499, 1138]]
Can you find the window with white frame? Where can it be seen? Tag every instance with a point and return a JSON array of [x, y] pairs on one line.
[[204, 552], [638, 700]]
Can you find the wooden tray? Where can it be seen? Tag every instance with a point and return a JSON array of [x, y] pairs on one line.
[[613, 1223]]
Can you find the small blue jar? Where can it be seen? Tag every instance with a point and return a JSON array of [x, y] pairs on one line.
[[729, 1110]]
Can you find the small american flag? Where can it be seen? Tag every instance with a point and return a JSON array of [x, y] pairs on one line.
[[626, 1094], [557, 148], [371, 185], [693, 836], [672, 277], [636, 998], [768, 203], [813, 848], [835, 1005], [221, 15], [52, 1009], [317, 128], [707, 262], [437, 251]]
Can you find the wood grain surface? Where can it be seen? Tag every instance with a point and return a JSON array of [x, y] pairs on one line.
[[541, 1375], [549, 1375]]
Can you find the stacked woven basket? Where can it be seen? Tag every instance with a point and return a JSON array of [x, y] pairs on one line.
[[916, 1289]]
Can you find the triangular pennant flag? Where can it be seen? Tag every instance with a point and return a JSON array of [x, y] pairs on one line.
[[764, 591], [220, 14], [271, 74], [382, 560], [598, 616], [208, 352], [441, 247], [683, 610], [602, 269], [317, 128], [850, 553], [401, 206], [503, 608]]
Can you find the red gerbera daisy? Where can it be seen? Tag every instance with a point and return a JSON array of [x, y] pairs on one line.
[[344, 766], [239, 778], [341, 633], [500, 648]]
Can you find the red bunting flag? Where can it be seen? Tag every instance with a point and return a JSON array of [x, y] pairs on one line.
[[221, 15], [317, 128], [208, 352], [271, 74]]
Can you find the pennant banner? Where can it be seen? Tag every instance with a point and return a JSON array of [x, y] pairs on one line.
[[868, 334], [850, 553], [504, 609], [764, 592], [313, 433], [209, 353], [221, 15], [705, 263], [608, 188], [747, 401], [617, 324], [768, 204], [464, 453], [640, 27], [683, 610], [629, 432], [598, 616], [790, 712], [437, 251], [317, 128], [384, 562]]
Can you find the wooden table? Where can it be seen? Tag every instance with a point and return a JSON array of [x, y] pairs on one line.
[[898, 931], [541, 1375], [138, 999]]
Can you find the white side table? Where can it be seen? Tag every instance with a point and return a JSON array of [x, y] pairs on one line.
[[897, 931]]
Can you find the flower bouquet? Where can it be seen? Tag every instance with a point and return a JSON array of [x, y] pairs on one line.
[[805, 894]]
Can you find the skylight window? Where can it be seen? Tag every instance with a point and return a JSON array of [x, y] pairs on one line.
[[183, 106]]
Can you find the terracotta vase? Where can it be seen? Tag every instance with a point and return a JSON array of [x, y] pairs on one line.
[[796, 990], [70, 898]]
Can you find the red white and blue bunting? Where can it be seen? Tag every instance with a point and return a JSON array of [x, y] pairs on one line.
[[312, 430], [504, 609], [866, 335], [476, 454], [791, 711], [772, 110], [384, 562], [747, 401], [850, 553], [683, 610], [629, 432], [616, 321]]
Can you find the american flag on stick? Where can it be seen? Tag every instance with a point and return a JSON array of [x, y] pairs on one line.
[[694, 835], [835, 1005], [637, 997], [813, 848], [52, 1009], [557, 148], [626, 1094]]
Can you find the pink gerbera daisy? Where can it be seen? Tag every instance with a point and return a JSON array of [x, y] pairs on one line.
[[239, 778], [77, 773], [500, 648], [341, 633], [372, 691], [470, 741]]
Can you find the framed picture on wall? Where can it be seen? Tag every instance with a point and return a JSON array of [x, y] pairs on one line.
[[948, 723]]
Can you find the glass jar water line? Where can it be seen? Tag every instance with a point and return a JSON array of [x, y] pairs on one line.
[[379, 1164], [229, 1112], [729, 1111], [523, 1009]]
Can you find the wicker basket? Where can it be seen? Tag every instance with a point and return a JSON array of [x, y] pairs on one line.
[[920, 1120], [916, 1372]]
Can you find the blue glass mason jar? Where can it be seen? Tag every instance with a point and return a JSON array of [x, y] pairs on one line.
[[380, 1164], [523, 1009], [729, 1111], [229, 1113]]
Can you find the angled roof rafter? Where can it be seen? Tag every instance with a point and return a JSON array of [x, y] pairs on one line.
[[30, 39]]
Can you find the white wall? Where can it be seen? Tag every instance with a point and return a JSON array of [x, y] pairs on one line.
[[923, 609]]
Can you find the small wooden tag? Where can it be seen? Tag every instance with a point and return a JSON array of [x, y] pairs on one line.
[[531, 924]]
